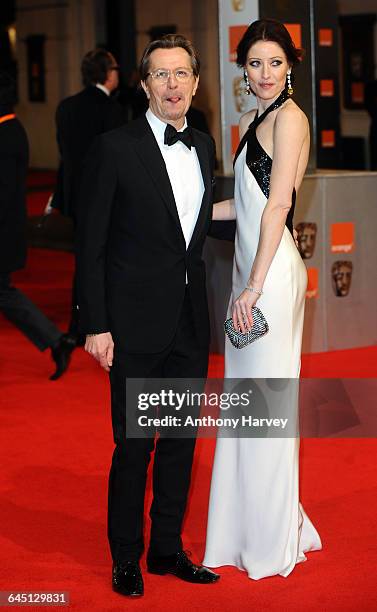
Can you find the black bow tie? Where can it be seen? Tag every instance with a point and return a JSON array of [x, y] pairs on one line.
[[172, 136]]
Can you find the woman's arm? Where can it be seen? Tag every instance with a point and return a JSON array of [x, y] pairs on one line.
[[290, 132], [224, 211]]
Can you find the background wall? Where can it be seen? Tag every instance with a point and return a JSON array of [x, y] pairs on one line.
[[72, 27], [69, 27], [356, 122]]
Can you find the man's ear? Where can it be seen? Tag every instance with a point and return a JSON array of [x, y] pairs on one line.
[[195, 86], [145, 87]]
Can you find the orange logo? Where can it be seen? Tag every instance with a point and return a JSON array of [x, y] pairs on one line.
[[328, 139], [235, 35], [235, 138], [342, 237], [312, 288], [325, 36], [294, 30], [326, 88]]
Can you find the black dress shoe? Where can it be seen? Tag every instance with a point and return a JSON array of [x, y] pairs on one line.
[[181, 566], [61, 354], [127, 579]]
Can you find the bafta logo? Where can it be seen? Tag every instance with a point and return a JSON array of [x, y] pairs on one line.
[[341, 272], [239, 94], [307, 234], [238, 5]]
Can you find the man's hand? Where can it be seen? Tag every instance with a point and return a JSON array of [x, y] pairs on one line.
[[101, 347]]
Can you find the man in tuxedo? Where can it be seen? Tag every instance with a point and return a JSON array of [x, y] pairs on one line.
[[82, 117], [79, 119], [145, 210]]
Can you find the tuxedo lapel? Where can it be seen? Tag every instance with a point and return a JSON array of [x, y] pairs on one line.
[[149, 153], [204, 161]]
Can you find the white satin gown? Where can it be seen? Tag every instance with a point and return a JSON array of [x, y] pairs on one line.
[[255, 519]]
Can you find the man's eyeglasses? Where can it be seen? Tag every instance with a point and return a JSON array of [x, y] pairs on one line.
[[162, 76]]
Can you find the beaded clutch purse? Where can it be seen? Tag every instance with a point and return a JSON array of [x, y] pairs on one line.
[[259, 329]]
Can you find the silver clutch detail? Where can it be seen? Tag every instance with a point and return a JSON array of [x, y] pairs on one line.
[[259, 329]]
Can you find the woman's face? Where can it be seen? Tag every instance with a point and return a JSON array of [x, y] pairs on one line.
[[267, 67]]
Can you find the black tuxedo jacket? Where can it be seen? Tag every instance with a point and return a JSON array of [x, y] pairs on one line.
[[79, 119], [14, 154], [131, 252]]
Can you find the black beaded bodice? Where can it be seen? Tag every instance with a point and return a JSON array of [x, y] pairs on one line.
[[258, 161]]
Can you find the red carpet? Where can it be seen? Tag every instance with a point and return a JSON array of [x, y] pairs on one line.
[[56, 444], [37, 202]]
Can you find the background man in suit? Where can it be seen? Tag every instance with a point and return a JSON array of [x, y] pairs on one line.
[[145, 210], [79, 119], [16, 306]]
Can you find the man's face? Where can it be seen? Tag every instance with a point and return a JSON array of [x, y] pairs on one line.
[[239, 94], [170, 101], [112, 81], [342, 276], [307, 233]]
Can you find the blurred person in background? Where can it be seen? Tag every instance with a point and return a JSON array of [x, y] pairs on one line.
[[15, 305], [79, 119]]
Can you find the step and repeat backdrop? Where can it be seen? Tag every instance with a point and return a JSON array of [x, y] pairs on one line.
[[336, 221], [234, 18]]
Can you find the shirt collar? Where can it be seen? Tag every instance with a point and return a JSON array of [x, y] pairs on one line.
[[103, 88], [158, 126]]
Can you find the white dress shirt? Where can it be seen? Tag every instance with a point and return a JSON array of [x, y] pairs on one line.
[[185, 176], [103, 88]]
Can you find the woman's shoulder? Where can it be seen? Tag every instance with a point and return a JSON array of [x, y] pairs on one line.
[[245, 121], [290, 114]]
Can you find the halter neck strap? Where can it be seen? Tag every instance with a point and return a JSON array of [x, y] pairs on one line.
[[283, 96], [278, 102]]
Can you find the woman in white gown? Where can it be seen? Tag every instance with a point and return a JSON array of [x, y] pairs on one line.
[[255, 520]]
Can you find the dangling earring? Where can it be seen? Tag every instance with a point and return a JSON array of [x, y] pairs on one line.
[[289, 83], [247, 86]]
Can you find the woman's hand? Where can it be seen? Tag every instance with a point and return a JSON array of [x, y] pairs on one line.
[[242, 316]]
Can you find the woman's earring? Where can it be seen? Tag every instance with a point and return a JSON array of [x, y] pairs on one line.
[[289, 83], [247, 87]]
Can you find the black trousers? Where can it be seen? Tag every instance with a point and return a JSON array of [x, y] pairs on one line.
[[184, 358], [74, 323], [31, 321]]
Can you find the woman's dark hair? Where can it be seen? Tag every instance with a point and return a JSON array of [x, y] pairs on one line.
[[95, 66], [271, 30], [170, 41]]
